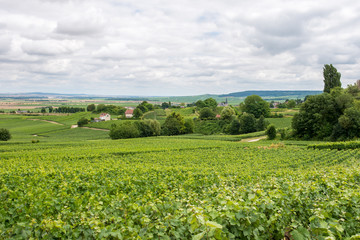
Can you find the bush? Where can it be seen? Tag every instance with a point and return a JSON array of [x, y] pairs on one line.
[[4, 134], [174, 125], [124, 130], [207, 114], [271, 132], [234, 127], [82, 121], [35, 141], [247, 123], [148, 128], [189, 126]]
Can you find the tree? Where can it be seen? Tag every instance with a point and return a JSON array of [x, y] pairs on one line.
[[4, 134], [148, 128], [261, 124], [271, 132], [174, 124], [247, 123], [255, 105], [137, 113], [319, 116], [207, 114], [200, 104], [189, 126], [82, 121], [331, 77], [227, 113], [125, 130], [233, 127], [90, 108], [165, 105], [210, 102], [291, 103]]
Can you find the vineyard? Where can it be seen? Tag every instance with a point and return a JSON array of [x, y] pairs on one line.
[[173, 188]]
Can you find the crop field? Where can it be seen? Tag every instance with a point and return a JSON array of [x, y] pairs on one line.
[[280, 122], [173, 188]]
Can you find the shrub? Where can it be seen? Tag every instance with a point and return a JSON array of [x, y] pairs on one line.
[[207, 114], [4, 134], [234, 127], [247, 123], [174, 124], [189, 126], [148, 128], [35, 141], [124, 130], [82, 121], [271, 132]]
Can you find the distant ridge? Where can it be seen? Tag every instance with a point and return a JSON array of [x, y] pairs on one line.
[[273, 93]]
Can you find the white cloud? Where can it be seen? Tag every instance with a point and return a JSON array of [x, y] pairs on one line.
[[176, 47], [51, 47]]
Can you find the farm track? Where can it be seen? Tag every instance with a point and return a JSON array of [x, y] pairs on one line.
[[99, 129], [53, 122]]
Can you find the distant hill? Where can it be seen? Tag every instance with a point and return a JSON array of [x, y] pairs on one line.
[[273, 94]]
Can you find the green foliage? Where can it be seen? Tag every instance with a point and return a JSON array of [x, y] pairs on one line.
[[271, 132], [91, 108], [256, 105], [4, 134], [82, 122], [111, 109], [247, 123], [234, 127], [227, 113], [148, 128], [174, 124], [326, 116], [173, 188], [207, 114], [337, 145], [137, 113], [189, 126], [261, 123], [209, 102], [291, 103], [126, 129], [331, 77], [209, 127]]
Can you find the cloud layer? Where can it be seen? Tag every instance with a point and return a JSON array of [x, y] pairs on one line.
[[175, 47]]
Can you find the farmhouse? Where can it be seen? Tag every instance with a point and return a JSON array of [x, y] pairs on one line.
[[129, 113], [105, 117]]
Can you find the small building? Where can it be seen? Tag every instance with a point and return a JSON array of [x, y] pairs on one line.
[[129, 113], [218, 116], [105, 117]]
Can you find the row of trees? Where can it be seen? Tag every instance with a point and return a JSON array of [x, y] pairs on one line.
[[173, 125]]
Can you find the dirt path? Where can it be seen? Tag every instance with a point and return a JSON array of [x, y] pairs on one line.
[[46, 121], [253, 139], [99, 129]]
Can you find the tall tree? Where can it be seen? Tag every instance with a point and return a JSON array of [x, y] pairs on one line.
[[331, 77], [255, 105]]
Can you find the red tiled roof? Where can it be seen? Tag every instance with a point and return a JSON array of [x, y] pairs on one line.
[[129, 111]]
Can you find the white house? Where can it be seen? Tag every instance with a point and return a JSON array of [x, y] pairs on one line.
[[129, 113], [105, 117]]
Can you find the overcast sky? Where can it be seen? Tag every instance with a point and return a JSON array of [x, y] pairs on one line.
[[183, 47]]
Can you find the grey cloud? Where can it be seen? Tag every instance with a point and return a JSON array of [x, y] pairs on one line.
[[89, 23], [51, 47]]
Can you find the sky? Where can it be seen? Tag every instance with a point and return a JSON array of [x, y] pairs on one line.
[[175, 48]]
